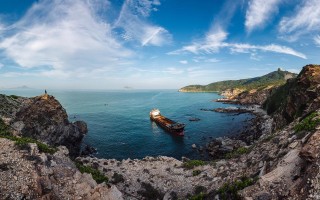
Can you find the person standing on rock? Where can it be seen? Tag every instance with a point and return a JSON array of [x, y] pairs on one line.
[[45, 91]]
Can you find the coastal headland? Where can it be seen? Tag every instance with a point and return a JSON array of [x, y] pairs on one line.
[[276, 157]]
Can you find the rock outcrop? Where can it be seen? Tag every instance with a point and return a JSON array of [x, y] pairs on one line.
[[43, 118], [257, 97], [28, 174]]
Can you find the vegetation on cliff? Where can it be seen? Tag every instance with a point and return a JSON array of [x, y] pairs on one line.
[[96, 174], [275, 78]]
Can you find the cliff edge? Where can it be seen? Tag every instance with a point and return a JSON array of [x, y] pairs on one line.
[[43, 118]]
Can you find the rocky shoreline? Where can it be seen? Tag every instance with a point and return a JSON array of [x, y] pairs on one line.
[[260, 163]]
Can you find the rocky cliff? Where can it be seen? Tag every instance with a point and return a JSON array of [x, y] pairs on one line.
[[247, 97], [33, 164], [297, 98], [283, 164], [43, 118]]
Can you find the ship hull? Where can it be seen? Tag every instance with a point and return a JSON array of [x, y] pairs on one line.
[[166, 123]]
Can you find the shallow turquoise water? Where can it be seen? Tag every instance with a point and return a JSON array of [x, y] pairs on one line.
[[119, 124]]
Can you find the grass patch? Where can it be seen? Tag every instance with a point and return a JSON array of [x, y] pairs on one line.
[[309, 123], [196, 172], [96, 174], [190, 164], [237, 152], [23, 142], [200, 193], [230, 190]]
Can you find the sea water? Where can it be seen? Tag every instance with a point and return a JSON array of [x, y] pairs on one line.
[[120, 127]]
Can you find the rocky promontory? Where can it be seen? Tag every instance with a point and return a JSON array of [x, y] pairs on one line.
[[43, 118]]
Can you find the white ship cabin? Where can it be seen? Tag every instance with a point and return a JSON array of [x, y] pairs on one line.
[[155, 112]]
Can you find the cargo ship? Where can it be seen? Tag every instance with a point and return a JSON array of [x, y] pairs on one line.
[[167, 124]]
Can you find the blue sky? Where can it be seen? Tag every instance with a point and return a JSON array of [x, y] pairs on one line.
[[152, 44]]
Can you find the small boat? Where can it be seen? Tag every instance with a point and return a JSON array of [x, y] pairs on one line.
[[167, 124]]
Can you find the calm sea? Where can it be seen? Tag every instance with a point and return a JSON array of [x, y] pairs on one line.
[[119, 124]]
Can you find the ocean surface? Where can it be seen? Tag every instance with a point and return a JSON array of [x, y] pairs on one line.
[[120, 127]]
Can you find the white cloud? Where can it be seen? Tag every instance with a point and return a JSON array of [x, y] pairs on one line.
[[212, 60], [1, 65], [63, 35], [205, 59], [173, 71], [132, 20], [156, 2], [206, 47], [211, 44], [247, 48], [317, 40], [305, 20], [259, 12], [183, 61]]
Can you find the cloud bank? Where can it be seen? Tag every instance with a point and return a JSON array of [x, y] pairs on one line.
[[66, 37], [306, 19]]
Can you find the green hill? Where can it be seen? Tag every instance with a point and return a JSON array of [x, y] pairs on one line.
[[275, 78]]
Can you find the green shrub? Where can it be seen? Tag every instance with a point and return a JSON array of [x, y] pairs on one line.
[[190, 164], [96, 174], [150, 192], [117, 178], [237, 152], [230, 190], [200, 196], [200, 193], [196, 172], [309, 123], [4, 129]]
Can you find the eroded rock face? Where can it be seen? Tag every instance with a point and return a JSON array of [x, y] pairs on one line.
[[9, 105], [257, 97], [44, 119], [298, 97]]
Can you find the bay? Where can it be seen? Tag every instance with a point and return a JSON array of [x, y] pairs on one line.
[[120, 127]]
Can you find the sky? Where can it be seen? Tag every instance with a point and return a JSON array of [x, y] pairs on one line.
[[152, 44]]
